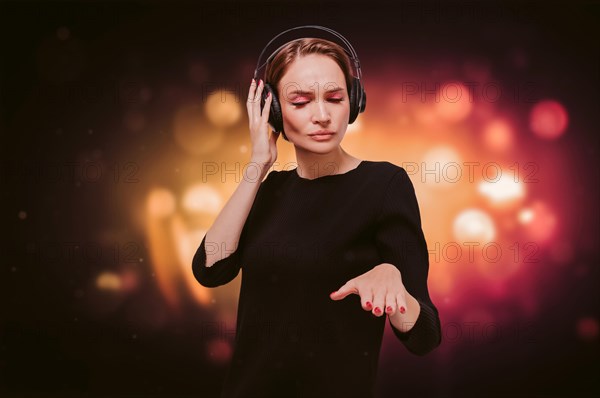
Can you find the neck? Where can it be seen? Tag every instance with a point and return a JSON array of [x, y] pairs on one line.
[[314, 165]]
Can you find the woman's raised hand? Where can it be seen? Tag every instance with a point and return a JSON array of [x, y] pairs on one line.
[[264, 148]]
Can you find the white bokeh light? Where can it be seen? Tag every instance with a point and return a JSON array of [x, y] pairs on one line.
[[474, 225]]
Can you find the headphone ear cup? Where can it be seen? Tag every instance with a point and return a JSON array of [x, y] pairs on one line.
[[354, 91], [358, 100], [275, 116], [363, 105]]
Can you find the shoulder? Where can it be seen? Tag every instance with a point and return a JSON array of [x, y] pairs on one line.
[[386, 171], [270, 177], [274, 179]]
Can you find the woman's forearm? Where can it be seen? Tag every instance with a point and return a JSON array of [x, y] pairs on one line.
[[420, 335], [223, 236]]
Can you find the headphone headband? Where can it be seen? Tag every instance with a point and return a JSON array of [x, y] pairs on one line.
[[351, 53]]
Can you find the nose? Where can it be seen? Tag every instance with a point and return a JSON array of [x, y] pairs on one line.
[[320, 112]]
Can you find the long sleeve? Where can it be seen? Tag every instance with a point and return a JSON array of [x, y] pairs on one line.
[[227, 268], [221, 272], [401, 242]]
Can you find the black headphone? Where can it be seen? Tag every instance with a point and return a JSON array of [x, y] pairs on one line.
[[358, 97]]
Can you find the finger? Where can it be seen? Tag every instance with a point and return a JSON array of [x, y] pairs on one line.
[[366, 300], [401, 300], [267, 108], [256, 102], [344, 291], [251, 91], [378, 302], [250, 100], [390, 304]]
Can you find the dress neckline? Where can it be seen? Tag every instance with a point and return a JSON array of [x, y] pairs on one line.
[[330, 176]]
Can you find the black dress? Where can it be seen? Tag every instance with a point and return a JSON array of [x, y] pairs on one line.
[[302, 240]]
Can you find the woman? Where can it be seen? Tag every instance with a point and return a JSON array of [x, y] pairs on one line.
[[335, 223]]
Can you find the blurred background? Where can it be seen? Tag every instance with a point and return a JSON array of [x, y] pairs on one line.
[[124, 132]]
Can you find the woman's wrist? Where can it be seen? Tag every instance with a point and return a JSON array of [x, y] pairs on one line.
[[261, 160], [405, 322], [258, 165]]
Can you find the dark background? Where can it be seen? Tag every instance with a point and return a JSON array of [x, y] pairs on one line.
[[53, 345]]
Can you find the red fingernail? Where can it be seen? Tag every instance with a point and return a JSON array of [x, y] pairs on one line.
[[389, 309], [268, 94], [402, 310], [369, 304], [377, 310]]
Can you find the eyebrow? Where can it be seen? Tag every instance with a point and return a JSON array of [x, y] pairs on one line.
[[301, 92]]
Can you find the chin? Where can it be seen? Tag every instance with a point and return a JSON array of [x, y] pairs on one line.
[[322, 147]]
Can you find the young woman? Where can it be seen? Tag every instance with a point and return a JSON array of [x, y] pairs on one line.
[[329, 250]]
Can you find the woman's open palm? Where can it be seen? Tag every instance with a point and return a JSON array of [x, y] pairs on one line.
[[380, 289]]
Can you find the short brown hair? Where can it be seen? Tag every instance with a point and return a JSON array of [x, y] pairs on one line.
[[275, 69]]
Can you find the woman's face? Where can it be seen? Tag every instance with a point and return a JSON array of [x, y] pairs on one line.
[[313, 97]]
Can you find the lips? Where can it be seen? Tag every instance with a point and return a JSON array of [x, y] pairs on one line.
[[322, 132]]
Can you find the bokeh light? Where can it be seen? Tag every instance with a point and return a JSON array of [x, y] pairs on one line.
[[223, 108], [587, 328], [441, 167], [161, 203], [109, 281], [474, 225], [453, 102], [503, 191], [548, 119], [539, 221], [202, 198], [498, 135]]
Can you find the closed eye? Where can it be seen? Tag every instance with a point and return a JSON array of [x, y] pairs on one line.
[[304, 103]]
